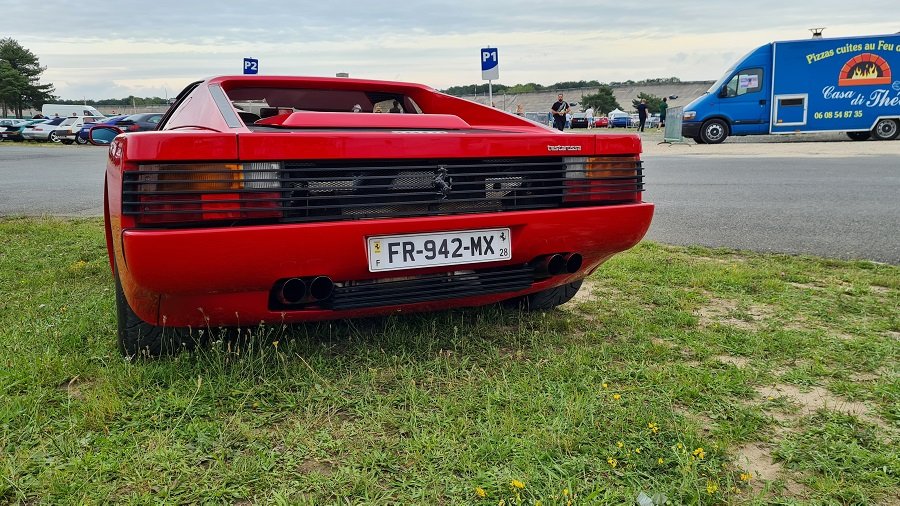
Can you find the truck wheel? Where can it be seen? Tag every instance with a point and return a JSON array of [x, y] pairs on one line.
[[885, 130], [139, 339], [547, 299], [714, 131], [859, 136]]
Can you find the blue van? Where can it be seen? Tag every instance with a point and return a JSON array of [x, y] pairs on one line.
[[814, 85]]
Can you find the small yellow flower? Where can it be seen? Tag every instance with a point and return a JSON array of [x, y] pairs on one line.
[[699, 453], [679, 446], [480, 492], [606, 385], [746, 476], [566, 492], [659, 460], [617, 396], [538, 503], [612, 462], [501, 502], [517, 484], [637, 450], [711, 487], [275, 344], [653, 427], [620, 444]]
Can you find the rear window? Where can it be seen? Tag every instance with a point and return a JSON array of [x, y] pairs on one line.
[[265, 102]]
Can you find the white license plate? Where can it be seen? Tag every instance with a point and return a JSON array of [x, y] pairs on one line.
[[394, 252]]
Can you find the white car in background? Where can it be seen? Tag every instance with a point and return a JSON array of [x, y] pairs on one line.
[[67, 132], [45, 131]]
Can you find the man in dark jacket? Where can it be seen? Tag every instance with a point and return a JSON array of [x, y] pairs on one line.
[[559, 109], [642, 114]]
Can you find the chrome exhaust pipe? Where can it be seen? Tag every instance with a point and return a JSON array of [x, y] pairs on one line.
[[292, 291], [573, 262], [553, 264], [321, 287]]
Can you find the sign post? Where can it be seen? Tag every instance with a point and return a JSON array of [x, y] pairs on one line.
[[490, 70], [251, 66]]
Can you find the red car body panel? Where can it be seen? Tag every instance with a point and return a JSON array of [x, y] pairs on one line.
[[223, 275]]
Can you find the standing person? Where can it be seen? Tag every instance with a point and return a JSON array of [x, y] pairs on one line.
[[662, 113], [590, 116], [558, 110], [520, 110], [642, 114]]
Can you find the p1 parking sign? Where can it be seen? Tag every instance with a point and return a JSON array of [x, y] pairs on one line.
[[490, 64], [251, 66]]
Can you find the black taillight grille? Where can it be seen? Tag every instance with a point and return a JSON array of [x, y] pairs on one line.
[[300, 191]]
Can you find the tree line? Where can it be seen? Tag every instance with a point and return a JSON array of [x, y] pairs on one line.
[[20, 79]]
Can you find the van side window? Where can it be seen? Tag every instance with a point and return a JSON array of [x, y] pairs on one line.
[[745, 81]]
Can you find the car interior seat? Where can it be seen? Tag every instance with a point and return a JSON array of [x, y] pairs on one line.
[[248, 117]]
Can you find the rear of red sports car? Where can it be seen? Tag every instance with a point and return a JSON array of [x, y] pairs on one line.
[[279, 199]]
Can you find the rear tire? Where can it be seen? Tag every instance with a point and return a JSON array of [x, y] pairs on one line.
[[859, 136], [886, 129], [139, 339], [547, 299], [714, 131]]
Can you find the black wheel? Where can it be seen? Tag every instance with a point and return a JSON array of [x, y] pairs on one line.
[[80, 140], [859, 136], [53, 137], [698, 140], [547, 299], [714, 131], [139, 339], [885, 130]]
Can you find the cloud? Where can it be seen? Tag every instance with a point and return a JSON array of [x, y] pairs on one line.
[[156, 48]]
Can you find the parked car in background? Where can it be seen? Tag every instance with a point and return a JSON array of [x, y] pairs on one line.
[[45, 131], [82, 137], [318, 213], [139, 122], [620, 122], [579, 120], [14, 132], [67, 133], [11, 122], [601, 121]]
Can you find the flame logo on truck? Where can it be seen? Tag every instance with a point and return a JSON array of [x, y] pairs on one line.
[[863, 69]]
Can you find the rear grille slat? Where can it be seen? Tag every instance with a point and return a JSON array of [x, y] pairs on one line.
[[431, 288], [328, 190]]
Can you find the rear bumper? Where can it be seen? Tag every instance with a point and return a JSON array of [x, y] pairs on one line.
[[225, 276]]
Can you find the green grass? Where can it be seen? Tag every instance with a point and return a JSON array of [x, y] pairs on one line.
[[423, 409]]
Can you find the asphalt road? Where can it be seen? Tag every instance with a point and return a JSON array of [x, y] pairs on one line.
[[832, 207]]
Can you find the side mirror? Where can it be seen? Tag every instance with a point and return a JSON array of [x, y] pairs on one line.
[[102, 135]]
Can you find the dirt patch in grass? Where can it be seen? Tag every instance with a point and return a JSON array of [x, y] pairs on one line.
[[818, 398], [74, 387], [727, 312], [310, 466], [585, 294], [756, 459], [739, 362]]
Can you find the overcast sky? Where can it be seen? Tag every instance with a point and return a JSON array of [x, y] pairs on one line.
[[155, 48]]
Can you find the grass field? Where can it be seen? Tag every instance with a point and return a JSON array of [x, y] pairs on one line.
[[702, 376]]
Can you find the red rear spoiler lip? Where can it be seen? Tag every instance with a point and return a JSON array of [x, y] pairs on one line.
[[309, 119]]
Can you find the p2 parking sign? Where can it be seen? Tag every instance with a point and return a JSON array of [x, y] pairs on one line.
[[490, 64], [251, 66]]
